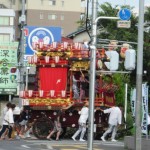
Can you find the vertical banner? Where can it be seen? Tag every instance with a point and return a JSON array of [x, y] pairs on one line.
[[133, 100], [8, 70], [144, 108]]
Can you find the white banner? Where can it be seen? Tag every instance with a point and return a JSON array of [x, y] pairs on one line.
[[133, 100], [144, 108]]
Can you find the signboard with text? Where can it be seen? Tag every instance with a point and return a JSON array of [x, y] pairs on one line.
[[8, 70], [123, 24]]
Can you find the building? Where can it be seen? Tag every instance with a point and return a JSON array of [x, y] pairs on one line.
[[80, 35], [7, 28], [62, 13]]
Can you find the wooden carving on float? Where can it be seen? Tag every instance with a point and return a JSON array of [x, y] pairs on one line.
[[80, 65]]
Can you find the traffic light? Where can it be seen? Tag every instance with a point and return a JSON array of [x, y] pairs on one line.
[[130, 59], [113, 64]]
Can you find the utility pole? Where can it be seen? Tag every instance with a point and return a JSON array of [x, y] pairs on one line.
[[139, 73], [22, 48], [92, 78]]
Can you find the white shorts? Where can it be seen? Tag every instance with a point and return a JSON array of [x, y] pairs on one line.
[[23, 122]]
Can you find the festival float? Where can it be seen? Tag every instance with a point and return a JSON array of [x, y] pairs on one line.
[[59, 67]]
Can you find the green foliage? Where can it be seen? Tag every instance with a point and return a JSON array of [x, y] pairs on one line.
[[110, 26], [146, 50], [147, 14], [130, 122], [123, 34], [120, 80]]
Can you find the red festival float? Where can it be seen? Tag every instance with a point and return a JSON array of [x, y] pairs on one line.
[[61, 70]]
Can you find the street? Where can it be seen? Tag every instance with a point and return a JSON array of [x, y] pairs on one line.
[[58, 145]]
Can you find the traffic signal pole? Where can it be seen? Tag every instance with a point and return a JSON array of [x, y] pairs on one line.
[[139, 73], [92, 78], [93, 72]]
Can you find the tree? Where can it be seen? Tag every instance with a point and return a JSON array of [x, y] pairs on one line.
[[146, 50], [120, 34], [111, 25]]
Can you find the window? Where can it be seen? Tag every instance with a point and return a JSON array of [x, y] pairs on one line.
[[83, 4], [4, 37], [4, 20], [52, 17], [62, 3], [41, 2], [62, 17], [14, 2], [41, 15], [52, 2], [11, 21]]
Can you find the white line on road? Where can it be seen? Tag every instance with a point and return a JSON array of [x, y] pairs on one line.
[[25, 146]]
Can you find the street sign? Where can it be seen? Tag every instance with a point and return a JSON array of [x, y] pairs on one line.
[[123, 24], [125, 14]]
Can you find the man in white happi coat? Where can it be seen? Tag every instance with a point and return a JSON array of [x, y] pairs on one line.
[[82, 123], [115, 119]]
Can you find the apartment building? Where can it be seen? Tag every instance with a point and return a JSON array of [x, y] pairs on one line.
[[7, 30], [61, 13]]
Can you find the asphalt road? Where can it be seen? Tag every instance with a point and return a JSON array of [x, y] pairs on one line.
[[30, 144]]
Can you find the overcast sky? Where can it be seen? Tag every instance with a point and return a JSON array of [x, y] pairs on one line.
[[125, 2], [134, 3]]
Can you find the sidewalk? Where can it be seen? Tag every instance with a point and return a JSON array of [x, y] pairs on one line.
[[129, 142]]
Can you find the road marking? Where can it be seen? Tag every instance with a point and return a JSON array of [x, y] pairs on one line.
[[75, 147], [84, 147], [49, 146], [25, 146], [68, 149]]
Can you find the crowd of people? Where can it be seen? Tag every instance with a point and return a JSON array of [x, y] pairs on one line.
[[11, 123], [115, 119], [7, 121], [21, 126]]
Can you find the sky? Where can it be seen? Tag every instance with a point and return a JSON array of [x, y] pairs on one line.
[[134, 3], [125, 2]]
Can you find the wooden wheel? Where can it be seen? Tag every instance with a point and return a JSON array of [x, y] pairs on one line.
[[41, 127]]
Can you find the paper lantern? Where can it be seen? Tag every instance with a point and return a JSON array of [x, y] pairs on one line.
[[41, 44], [30, 93], [63, 93], [35, 58], [56, 59], [30, 60], [54, 44], [47, 58], [65, 44], [34, 45], [52, 93], [41, 93], [22, 94]]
